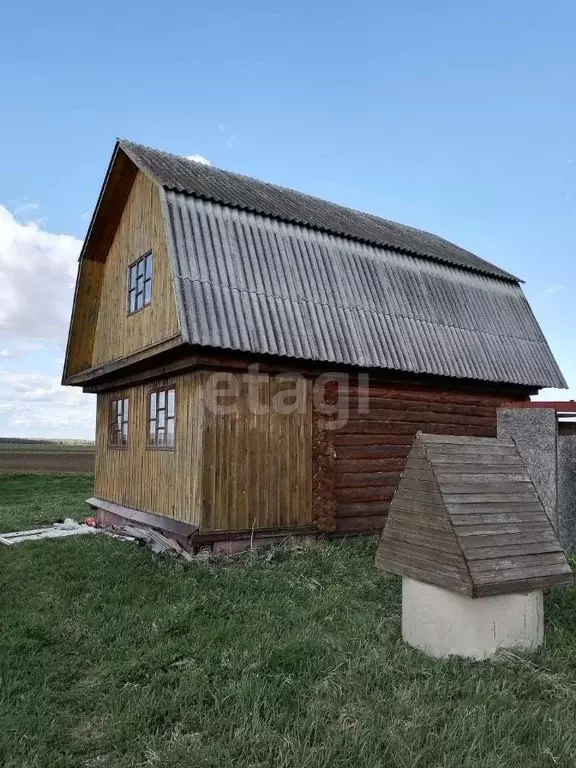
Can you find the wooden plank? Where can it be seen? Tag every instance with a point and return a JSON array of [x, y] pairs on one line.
[[357, 426], [363, 524], [165, 524], [415, 506], [508, 489], [422, 417], [487, 553], [399, 517], [495, 508], [465, 458], [507, 587], [359, 479], [426, 475], [471, 478], [495, 529], [495, 448], [418, 464], [483, 498], [383, 441], [447, 468], [420, 391], [430, 577], [410, 483], [431, 439], [403, 403], [372, 451], [411, 495], [368, 465], [494, 519], [506, 539], [423, 527], [423, 536], [517, 574], [450, 564], [377, 493], [362, 509], [501, 563]]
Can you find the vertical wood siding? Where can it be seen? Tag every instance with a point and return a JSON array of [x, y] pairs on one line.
[[141, 229], [164, 482], [257, 467], [371, 448], [85, 317], [227, 472]]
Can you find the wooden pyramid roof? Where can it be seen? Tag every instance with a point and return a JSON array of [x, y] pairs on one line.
[[466, 516]]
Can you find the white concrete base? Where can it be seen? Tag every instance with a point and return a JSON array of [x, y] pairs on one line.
[[444, 623]]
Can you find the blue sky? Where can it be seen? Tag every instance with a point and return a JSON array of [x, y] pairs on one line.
[[452, 117]]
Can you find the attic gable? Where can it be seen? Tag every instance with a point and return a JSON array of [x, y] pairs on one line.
[[127, 224], [466, 516]]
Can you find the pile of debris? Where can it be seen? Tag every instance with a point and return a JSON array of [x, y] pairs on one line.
[[143, 536], [66, 528], [149, 537]]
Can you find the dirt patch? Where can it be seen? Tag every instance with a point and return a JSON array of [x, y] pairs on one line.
[[65, 462]]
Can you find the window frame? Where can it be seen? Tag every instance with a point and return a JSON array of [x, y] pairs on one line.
[[165, 388], [146, 281], [113, 414]]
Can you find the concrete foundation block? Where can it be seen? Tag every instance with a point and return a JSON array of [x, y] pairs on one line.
[[443, 623]]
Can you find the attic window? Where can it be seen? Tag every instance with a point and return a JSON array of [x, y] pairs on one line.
[[118, 427], [162, 418], [140, 283]]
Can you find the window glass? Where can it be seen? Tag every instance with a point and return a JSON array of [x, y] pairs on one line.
[[140, 283], [162, 418], [118, 425]]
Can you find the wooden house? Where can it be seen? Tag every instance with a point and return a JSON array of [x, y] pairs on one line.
[[263, 359]]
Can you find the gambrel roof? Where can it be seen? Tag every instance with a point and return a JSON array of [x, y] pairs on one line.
[[466, 516], [262, 269]]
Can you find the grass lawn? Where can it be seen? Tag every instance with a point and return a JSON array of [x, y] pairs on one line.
[[113, 657]]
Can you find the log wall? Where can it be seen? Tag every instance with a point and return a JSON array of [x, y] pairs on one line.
[[358, 466]]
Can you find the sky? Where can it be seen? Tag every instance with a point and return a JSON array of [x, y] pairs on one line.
[[453, 117]]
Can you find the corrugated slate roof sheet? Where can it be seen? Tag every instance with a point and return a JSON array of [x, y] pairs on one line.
[[252, 283], [262, 269], [232, 189]]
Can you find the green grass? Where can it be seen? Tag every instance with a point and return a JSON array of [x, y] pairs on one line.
[[111, 656], [31, 501]]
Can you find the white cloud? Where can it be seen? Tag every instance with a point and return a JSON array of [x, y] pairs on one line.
[[199, 159], [38, 405], [37, 275], [554, 288], [26, 210]]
